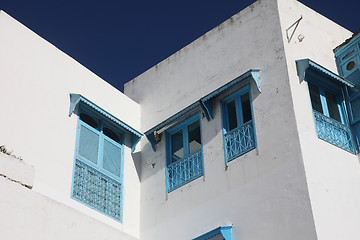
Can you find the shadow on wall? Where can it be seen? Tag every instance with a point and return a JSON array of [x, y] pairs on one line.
[[136, 156]]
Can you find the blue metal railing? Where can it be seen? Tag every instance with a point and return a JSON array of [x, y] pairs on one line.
[[333, 132], [97, 190], [185, 170], [239, 141]]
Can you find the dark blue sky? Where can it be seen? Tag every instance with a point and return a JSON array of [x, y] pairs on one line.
[[118, 40]]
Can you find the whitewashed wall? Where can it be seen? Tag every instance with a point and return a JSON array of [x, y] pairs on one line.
[[263, 194], [27, 214], [36, 80], [333, 175]]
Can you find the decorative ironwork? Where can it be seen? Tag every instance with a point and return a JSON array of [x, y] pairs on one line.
[[239, 141], [97, 190], [333, 132], [185, 170]]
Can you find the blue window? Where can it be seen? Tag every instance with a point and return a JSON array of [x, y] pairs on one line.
[[326, 102], [238, 124], [98, 167], [184, 153], [329, 113]]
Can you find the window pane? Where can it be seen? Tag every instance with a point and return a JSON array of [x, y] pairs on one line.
[[88, 144], [112, 158], [177, 146], [111, 134], [231, 110], [332, 106], [194, 136], [246, 109], [89, 120], [315, 98]]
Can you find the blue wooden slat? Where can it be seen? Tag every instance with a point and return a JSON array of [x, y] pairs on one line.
[[112, 155], [88, 146], [75, 99]]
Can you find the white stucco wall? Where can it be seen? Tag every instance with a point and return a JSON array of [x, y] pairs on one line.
[[263, 194], [333, 175], [36, 80], [293, 186], [27, 214]]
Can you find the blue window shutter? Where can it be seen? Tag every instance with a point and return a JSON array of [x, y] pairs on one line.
[[99, 158], [112, 157], [88, 144]]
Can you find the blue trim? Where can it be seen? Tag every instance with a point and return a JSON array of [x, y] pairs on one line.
[[253, 73], [356, 129], [150, 134], [349, 43], [187, 155], [250, 125], [333, 131], [348, 52], [173, 118], [98, 166], [134, 141], [181, 126], [336, 90], [76, 99], [349, 100], [151, 139], [207, 100], [304, 65], [204, 103], [224, 231]]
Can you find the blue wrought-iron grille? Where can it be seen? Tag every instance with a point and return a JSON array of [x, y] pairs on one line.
[[239, 141], [185, 170], [97, 190], [333, 132]]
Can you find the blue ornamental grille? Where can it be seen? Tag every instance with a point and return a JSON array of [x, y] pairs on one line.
[[97, 190], [185, 170], [239, 141], [333, 132]]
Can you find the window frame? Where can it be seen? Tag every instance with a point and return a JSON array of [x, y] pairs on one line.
[[182, 125], [236, 95], [337, 91], [99, 166], [342, 135]]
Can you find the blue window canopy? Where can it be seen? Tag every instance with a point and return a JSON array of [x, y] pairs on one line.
[[205, 104], [77, 99], [223, 231], [305, 65]]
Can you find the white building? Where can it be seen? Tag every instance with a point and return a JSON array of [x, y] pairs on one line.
[[249, 132]]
